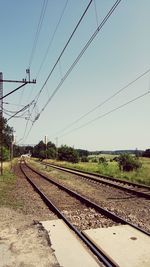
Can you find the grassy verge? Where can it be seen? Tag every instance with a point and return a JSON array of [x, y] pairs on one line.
[[142, 175], [7, 187]]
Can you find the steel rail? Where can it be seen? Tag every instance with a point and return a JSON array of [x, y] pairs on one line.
[[88, 202], [93, 177], [100, 255]]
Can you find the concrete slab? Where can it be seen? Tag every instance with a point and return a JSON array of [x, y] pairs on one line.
[[68, 249], [124, 244]]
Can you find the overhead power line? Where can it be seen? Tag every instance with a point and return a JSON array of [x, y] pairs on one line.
[[62, 52], [52, 38], [105, 101], [57, 61], [50, 42], [77, 59], [80, 55], [39, 26], [24, 108], [106, 114]]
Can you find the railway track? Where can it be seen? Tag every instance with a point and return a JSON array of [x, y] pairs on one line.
[[107, 218], [130, 187]]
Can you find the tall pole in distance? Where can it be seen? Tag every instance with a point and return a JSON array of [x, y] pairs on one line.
[[45, 141], [56, 148], [12, 149], [1, 123]]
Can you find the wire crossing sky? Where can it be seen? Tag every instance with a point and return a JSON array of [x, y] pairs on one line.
[[118, 56]]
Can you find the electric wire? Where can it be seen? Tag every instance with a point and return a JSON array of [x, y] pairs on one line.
[[80, 54], [58, 60], [105, 101], [77, 59], [62, 52], [105, 114], [39, 26], [24, 108], [50, 43], [52, 38]]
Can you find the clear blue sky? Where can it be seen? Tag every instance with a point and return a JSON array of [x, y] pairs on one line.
[[119, 54]]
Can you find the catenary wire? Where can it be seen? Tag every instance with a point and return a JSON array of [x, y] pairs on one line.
[[58, 60], [106, 114], [52, 38], [50, 43], [75, 62], [105, 101], [79, 56], [39, 26], [62, 52]]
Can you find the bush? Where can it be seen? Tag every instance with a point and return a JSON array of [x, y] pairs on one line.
[[94, 160], [84, 159], [146, 153], [5, 152], [66, 153], [128, 163], [102, 160]]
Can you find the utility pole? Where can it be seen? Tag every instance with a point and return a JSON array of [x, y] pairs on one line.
[[56, 148], [45, 141], [23, 83], [13, 141], [1, 123]]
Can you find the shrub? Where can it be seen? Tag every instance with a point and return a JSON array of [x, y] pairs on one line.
[[102, 160], [128, 163], [84, 159], [94, 160], [66, 153]]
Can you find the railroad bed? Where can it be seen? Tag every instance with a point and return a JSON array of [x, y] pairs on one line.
[[134, 208], [140, 190], [78, 212]]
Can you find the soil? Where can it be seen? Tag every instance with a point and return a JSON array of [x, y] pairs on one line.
[[23, 241]]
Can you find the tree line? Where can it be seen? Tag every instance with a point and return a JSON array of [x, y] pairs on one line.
[[49, 150]]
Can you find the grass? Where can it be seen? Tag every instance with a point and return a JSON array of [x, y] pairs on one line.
[[142, 175], [7, 186]]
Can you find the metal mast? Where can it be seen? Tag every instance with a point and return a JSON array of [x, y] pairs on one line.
[[1, 123]]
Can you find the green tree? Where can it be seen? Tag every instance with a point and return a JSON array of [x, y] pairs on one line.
[[7, 133], [128, 163], [42, 151], [84, 159], [68, 154], [146, 153], [51, 150], [38, 150]]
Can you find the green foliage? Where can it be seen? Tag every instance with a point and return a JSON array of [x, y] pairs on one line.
[[128, 163], [146, 153], [102, 160], [84, 159], [5, 154], [94, 160], [7, 133], [19, 150], [42, 151], [66, 153], [82, 153]]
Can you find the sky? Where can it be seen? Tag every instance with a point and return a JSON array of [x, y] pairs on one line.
[[94, 106]]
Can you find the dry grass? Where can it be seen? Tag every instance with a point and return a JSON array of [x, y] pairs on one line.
[[7, 185], [142, 175]]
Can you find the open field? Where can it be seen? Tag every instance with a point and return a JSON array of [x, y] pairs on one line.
[[142, 175]]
